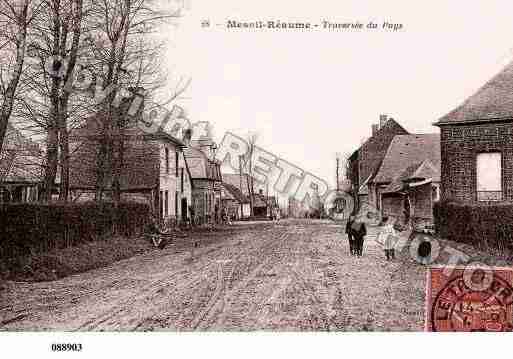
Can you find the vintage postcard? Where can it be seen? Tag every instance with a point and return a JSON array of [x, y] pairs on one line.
[[255, 166]]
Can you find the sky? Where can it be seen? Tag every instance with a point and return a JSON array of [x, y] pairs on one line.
[[309, 95]]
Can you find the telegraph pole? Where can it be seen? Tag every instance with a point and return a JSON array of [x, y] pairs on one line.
[[240, 187], [338, 168]]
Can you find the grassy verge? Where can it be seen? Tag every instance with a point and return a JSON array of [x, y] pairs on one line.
[[60, 263]]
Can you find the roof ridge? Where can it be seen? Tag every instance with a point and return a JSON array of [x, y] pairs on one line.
[[472, 114]]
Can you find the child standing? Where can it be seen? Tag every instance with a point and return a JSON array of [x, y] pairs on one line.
[[387, 235]]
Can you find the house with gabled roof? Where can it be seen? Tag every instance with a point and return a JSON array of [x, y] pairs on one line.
[[206, 179], [477, 144], [20, 168], [263, 203], [408, 181], [366, 160], [235, 202], [153, 168], [242, 180]]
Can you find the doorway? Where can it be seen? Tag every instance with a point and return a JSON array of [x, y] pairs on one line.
[[184, 210]]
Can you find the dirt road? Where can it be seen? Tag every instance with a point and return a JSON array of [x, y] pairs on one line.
[[287, 276]]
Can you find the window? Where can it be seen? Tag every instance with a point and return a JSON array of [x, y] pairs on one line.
[[176, 203], [435, 193], [166, 203], [489, 176], [167, 160], [181, 179], [161, 205], [176, 163]]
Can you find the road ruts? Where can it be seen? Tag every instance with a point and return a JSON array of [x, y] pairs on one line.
[[295, 275], [216, 306], [214, 268]]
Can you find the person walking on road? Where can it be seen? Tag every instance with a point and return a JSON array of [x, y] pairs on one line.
[[388, 236], [349, 232], [359, 232]]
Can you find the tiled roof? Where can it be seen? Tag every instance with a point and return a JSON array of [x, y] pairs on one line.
[[372, 151], [235, 193], [407, 151], [234, 180], [92, 129], [20, 160], [493, 101], [200, 166], [140, 168], [416, 172]]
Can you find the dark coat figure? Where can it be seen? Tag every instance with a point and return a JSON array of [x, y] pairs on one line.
[[154, 231], [349, 232], [359, 232]]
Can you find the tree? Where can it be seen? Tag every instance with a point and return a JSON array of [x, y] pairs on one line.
[[126, 55], [14, 21], [112, 44], [66, 18], [49, 106]]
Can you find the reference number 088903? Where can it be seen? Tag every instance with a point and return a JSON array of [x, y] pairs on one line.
[[66, 347]]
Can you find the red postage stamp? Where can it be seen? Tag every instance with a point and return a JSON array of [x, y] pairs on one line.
[[469, 299]]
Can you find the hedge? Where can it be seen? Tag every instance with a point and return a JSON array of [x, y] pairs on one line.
[[485, 226], [27, 228]]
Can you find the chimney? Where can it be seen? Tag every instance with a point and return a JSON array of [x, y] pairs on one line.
[[382, 120], [375, 129]]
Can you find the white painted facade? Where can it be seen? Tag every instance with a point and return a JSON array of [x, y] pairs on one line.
[[175, 189]]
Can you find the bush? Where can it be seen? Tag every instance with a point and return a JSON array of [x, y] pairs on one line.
[[485, 226], [29, 228]]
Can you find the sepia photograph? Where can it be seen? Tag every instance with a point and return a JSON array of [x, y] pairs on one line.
[[341, 167]]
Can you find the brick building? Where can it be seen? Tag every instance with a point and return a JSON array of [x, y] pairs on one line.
[[477, 144], [365, 162]]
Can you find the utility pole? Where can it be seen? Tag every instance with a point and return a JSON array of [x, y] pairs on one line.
[[267, 197], [338, 167], [240, 186]]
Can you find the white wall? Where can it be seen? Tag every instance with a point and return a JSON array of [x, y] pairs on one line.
[[168, 180]]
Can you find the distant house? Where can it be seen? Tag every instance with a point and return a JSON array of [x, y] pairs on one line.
[[408, 180], [206, 179], [477, 144], [235, 202], [241, 182], [153, 169], [272, 204], [20, 168], [300, 209], [365, 162], [263, 204]]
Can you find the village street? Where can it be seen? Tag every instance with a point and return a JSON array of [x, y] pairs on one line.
[[295, 275]]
